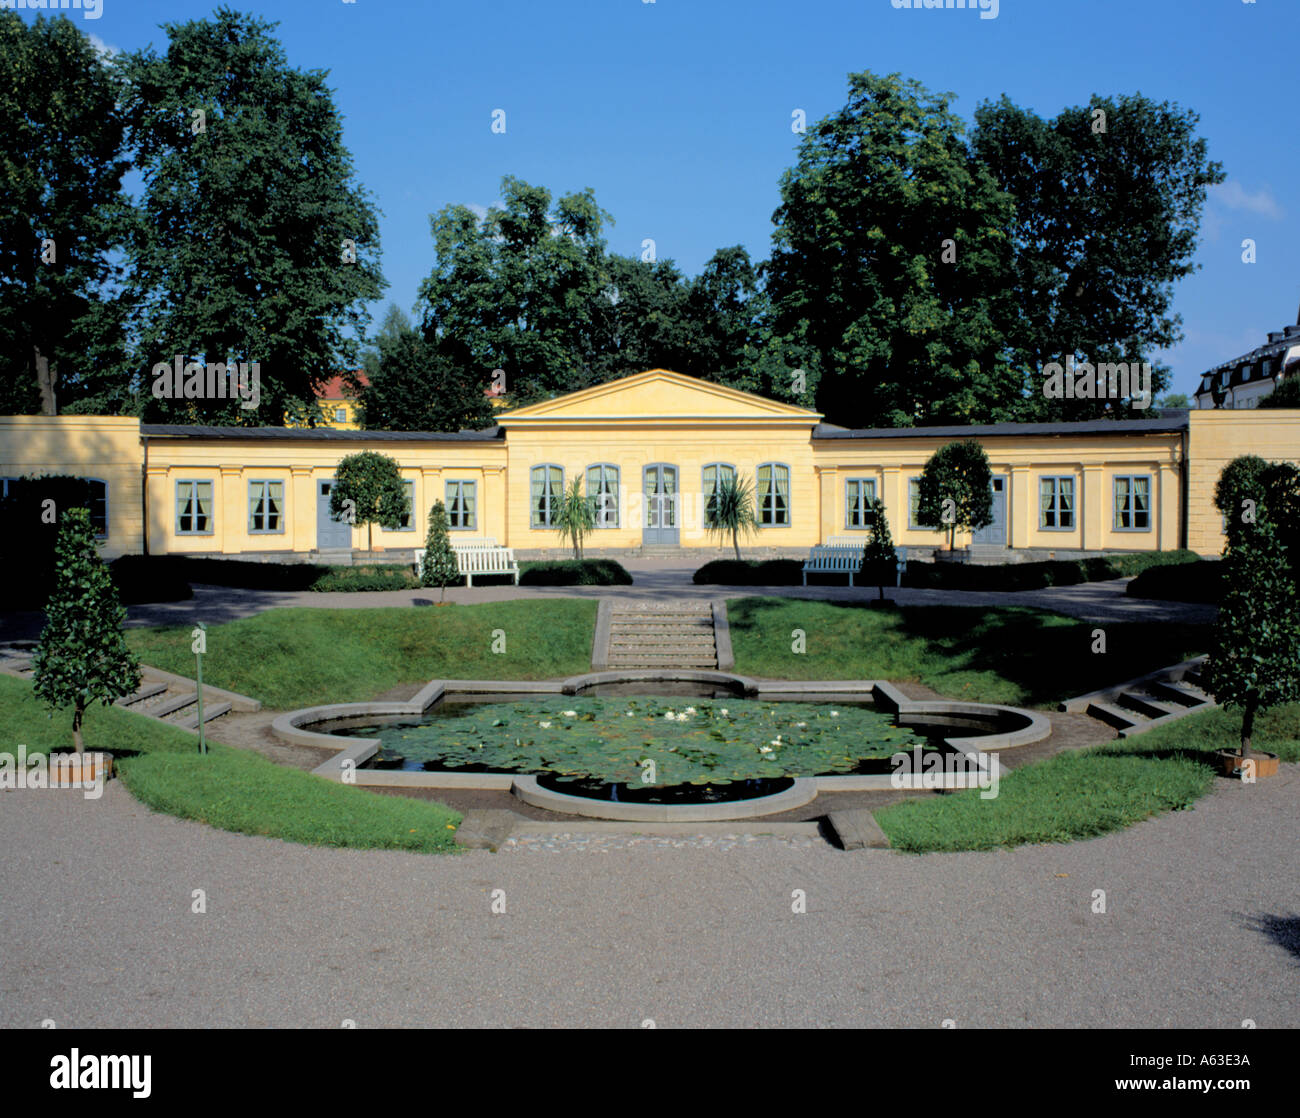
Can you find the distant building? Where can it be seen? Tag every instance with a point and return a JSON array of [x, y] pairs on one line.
[[1245, 380], [337, 403]]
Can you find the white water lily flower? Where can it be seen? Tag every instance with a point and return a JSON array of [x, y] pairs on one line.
[[802, 725], [630, 714], [668, 714], [569, 713], [776, 741], [690, 710], [835, 714], [723, 712], [544, 725], [765, 749]]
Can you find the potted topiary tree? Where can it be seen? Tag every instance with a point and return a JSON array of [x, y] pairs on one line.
[[1253, 662], [439, 566], [878, 558], [368, 490], [730, 510], [956, 492], [82, 656]]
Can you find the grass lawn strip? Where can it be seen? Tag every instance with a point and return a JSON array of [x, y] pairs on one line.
[[232, 789]]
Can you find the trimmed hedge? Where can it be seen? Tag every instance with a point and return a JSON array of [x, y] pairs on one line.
[[572, 572], [168, 578], [1037, 576], [1194, 582], [750, 572]]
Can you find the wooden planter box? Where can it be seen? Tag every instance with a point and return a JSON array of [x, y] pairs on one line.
[[69, 770], [1230, 762]]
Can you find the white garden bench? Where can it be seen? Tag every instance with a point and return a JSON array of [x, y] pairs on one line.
[[478, 557]]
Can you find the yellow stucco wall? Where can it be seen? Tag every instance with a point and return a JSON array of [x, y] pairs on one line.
[[652, 418], [102, 447], [1215, 438], [232, 464], [1092, 461]]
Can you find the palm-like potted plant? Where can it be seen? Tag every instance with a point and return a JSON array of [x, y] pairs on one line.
[[730, 510], [575, 516]]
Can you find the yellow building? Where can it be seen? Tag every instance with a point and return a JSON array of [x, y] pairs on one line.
[[650, 448]]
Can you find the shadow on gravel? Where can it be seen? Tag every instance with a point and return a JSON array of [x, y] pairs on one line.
[[1282, 930]]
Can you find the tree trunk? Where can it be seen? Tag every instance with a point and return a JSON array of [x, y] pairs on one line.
[[45, 378], [735, 542], [77, 712], [370, 538], [1248, 725]]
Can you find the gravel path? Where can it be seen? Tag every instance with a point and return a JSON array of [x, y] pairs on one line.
[[1202, 928]]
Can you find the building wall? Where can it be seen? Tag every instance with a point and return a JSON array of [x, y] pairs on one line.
[[103, 447], [1092, 461], [231, 465], [1215, 438], [689, 448]]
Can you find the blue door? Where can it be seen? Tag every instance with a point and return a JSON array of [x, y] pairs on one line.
[[331, 534], [659, 487], [995, 533]]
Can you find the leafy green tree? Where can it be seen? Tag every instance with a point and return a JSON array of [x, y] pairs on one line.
[[518, 290], [82, 656], [878, 558], [1253, 662], [1174, 400], [1105, 224], [368, 490], [1284, 395], [730, 510], [440, 566], [1251, 490], [415, 388], [891, 261], [957, 472], [63, 218], [250, 217], [575, 516]]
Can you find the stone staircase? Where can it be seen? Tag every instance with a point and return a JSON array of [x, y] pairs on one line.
[[662, 635], [168, 698], [1150, 701]]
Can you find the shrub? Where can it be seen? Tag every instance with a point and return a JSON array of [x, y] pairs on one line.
[[1037, 576], [1191, 582], [440, 565], [364, 578], [571, 572], [750, 572], [148, 578], [82, 656]]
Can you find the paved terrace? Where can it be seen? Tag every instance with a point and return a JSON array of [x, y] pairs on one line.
[[666, 580]]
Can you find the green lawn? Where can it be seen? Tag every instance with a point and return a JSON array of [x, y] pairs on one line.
[[229, 788], [291, 658], [1088, 792], [1020, 656]]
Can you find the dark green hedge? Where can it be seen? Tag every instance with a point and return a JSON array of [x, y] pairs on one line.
[[751, 572], [1037, 576], [1193, 582], [571, 572]]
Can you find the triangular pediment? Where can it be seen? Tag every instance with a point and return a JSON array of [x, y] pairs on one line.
[[657, 396]]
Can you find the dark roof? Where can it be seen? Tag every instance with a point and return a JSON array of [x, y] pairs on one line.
[[316, 434], [1250, 366], [1169, 421]]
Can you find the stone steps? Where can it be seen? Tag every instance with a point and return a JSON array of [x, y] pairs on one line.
[[653, 636], [1142, 704]]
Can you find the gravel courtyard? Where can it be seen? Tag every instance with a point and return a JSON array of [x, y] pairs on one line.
[[1201, 928]]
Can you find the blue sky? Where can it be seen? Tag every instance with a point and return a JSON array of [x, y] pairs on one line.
[[677, 112]]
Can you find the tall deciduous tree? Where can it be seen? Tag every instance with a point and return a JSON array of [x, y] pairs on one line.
[[890, 258], [255, 241], [62, 216], [415, 388], [82, 656], [1108, 200]]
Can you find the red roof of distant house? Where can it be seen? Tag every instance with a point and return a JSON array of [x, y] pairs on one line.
[[336, 389]]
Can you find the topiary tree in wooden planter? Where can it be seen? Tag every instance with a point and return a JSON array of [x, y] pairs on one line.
[[82, 656]]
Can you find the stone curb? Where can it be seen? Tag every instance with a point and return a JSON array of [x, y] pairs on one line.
[[804, 791], [722, 636], [600, 641], [236, 700], [857, 830]]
